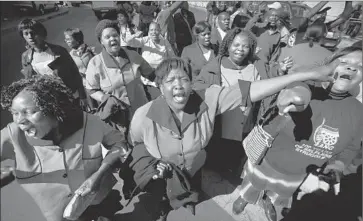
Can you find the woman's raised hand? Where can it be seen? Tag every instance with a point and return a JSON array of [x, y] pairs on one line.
[[325, 73]]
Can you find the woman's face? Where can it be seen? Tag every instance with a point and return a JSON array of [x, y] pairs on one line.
[[32, 38], [349, 72], [110, 39], [30, 118], [154, 32], [239, 49], [204, 37], [121, 18], [176, 88], [70, 41]]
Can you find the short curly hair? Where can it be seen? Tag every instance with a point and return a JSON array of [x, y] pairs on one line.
[[228, 39], [32, 24], [49, 93], [165, 67]]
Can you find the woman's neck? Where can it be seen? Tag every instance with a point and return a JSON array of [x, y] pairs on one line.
[[41, 47], [238, 64], [77, 47], [114, 54], [204, 47]]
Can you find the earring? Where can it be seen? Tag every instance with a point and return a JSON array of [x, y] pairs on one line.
[[60, 119]]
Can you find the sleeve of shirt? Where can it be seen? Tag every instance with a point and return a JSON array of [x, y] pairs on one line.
[[229, 98], [352, 150], [92, 77], [136, 129], [114, 140], [6, 148], [135, 42]]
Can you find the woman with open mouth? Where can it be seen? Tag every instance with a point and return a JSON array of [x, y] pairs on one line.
[[324, 131], [154, 47], [169, 134], [110, 73], [57, 150], [202, 50]]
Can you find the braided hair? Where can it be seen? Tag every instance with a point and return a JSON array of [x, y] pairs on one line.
[[49, 94], [228, 39]]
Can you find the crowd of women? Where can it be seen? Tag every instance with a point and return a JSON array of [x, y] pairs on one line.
[[164, 96]]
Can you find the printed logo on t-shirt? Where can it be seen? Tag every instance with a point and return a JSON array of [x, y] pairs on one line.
[[325, 137]]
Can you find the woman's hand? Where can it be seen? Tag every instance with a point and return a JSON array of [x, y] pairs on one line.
[[138, 34], [325, 73], [289, 100], [163, 169], [285, 65], [90, 186], [7, 176], [84, 104]]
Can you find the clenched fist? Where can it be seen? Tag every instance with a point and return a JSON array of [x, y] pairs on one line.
[[293, 100]]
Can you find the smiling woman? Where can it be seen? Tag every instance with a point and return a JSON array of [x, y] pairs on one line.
[[57, 148]]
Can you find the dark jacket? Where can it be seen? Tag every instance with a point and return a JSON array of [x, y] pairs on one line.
[[138, 93], [183, 33], [178, 186], [194, 55], [63, 66], [211, 73], [215, 37]]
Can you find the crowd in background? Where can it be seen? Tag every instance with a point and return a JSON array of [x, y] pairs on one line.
[[168, 95]]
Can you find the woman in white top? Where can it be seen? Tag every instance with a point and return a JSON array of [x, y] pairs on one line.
[[154, 47], [42, 58], [127, 29]]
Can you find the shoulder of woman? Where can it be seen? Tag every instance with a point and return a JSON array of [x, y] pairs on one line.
[[140, 114], [57, 48], [214, 64], [133, 56]]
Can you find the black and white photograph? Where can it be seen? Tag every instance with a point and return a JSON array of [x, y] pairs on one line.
[[181, 111]]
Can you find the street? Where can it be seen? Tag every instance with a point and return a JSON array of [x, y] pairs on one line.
[[16, 204]]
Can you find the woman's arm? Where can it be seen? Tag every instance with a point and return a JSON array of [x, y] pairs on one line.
[[118, 151], [93, 81], [6, 152], [243, 93], [135, 41], [263, 88], [169, 49]]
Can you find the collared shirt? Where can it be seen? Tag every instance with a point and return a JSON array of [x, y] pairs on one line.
[[105, 75], [50, 172], [154, 125], [232, 121]]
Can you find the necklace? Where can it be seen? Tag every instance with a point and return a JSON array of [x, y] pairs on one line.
[[238, 67]]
